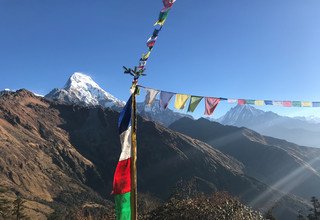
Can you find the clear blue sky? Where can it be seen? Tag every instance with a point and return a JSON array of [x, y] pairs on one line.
[[260, 49]]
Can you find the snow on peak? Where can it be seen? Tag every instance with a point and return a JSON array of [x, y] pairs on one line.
[[81, 88], [239, 113]]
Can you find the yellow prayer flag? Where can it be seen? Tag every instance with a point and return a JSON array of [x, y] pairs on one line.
[[180, 101], [161, 23], [146, 56], [259, 102], [306, 104]]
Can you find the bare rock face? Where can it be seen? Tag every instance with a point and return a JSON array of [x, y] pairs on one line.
[[63, 156]]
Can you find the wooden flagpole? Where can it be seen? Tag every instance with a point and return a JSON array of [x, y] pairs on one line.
[[134, 193]]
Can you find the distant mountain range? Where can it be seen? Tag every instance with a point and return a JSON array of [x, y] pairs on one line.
[[61, 156], [297, 130]]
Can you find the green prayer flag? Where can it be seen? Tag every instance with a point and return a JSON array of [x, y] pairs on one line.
[[123, 206], [296, 103], [194, 102], [250, 101]]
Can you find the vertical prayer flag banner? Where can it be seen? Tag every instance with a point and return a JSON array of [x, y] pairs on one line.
[[181, 100], [165, 98], [306, 104], [151, 96], [210, 105], [194, 102], [122, 175]]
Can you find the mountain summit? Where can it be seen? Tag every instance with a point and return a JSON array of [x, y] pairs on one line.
[[239, 114], [296, 130], [81, 89]]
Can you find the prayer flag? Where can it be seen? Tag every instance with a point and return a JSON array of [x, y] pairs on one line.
[[287, 103], [296, 103], [211, 104], [122, 175], [194, 102], [277, 103], [232, 100], [259, 102], [146, 56], [250, 101], [180, 101], [168, 3], [306, 104], [151, 96], [165, 98], [162, 18], [151, 42], [268, 102], [241, 102], [315, 104], [155, 33]]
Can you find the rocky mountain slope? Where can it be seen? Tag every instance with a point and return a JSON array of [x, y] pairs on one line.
[[296, 130], [283, 165], [60, 155]]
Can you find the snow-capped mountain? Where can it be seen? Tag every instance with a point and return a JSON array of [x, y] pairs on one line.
[[271, 124], [311, 119], [81, 89], [240, 114], [155, 113]]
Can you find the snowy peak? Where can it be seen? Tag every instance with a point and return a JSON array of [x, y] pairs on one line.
[[81, 89], [240, 113]]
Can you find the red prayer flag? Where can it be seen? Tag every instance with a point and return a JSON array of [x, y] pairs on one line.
[[211, 104], [241, 101]]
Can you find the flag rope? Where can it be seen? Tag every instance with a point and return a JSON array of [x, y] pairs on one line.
[[182, 98]]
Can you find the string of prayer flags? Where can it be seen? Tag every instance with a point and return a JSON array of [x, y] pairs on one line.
[[151, 96], [138, 71], [165, 98], [194, 102], [180, 101], [211, 104]]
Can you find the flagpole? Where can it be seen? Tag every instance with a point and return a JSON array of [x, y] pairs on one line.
[[134, 209]]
